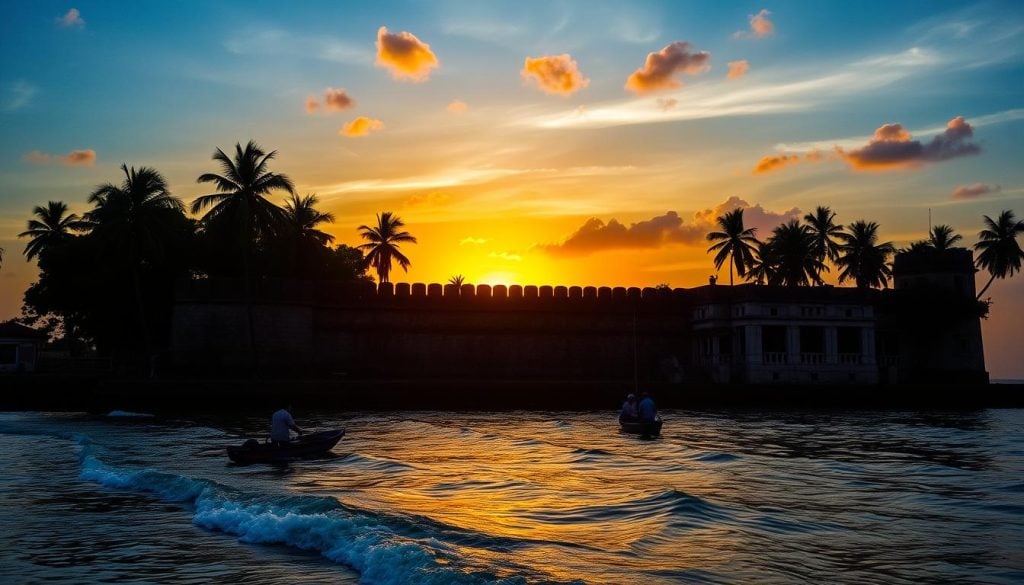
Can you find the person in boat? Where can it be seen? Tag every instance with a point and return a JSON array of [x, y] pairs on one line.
[[629, 411], [647, 409], [281, 425]]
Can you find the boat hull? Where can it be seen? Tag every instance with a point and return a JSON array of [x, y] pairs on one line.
[[635, 427], [308, 445]]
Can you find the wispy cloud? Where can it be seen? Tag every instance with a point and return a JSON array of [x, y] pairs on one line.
[[275, 41], [18, 95], [471, 241], [85, 157], [71, 19], [737, 69], [509, 256], [457, 107], [662, 68], [974, 191], [760, 26], [361, 126]]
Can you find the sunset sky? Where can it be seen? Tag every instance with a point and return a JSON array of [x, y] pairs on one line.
[[577, 143]]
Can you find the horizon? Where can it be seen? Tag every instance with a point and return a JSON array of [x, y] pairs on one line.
[[556, 144]]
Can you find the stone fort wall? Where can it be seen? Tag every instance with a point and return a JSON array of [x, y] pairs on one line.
[[431, 330]]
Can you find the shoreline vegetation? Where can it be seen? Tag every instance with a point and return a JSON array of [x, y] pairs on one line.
[[57, 393], [107, 278]]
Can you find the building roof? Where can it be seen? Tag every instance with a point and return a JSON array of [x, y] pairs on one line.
[[15, 330]]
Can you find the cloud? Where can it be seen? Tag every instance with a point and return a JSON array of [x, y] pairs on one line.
[[666, 104], [595, 235], [406, 56], [17, 95], [774, 162], [760, 26], [85, 157], [470, 240], [974, 191], [661, 68], [892, 147], [361, 126], [278, 42], [557, 74], [427, 199], [457, 107], [737, 69], [505, 256], [336, 100], [71, 19]]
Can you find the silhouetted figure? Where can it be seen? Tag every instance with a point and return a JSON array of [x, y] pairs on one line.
[[712, 280], [629, 409], [280, 424], [648, 411]]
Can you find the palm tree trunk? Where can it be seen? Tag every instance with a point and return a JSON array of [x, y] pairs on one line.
[[731, 264], [247, 286], [987, 284]]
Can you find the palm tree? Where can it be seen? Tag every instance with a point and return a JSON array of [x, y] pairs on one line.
[[133, 220], [734, 242], [862, 258], [998, 250], [457, 280], [382, 244], [765, 267], [823, 227], [240, 208], [301, 218], [792, 248], [241, 211], [51, 228], [942, 237]]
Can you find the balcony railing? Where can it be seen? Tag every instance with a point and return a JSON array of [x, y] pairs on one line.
[[775, 357], [812, 358], [851, 359]]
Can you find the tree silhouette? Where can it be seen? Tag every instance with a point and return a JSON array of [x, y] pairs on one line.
[[942, 237], [457, 280], [862, 259], [765, 267], [823, 227], [383, 242], [133, 221], [52, 227], [792, 248], [301, 218], [734, 242], [998, 250]]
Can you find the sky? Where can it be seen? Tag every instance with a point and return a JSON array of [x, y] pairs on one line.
[[576, 143]]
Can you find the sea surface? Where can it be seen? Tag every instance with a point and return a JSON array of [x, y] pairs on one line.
[[520, 497]]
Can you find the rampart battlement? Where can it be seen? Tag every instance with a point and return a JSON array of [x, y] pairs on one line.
[[435, 295]]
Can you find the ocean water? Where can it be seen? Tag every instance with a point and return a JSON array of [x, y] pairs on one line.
[[557, 497]]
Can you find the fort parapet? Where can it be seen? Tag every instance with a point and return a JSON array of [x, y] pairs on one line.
[[721, 334]]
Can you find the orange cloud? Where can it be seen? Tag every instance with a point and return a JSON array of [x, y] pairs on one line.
[[595, 235], [661, 68], [737, 69], [557, 74], [404, 55], [71, 19], [774, 162], [336, 100], [975, 190], [361, 126], [760, 26], [892, 147], [85, 157], [312, 105], [427, 199], [457, 107]]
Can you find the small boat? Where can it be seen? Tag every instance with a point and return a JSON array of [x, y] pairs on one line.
[[307, 445], [638, 427]]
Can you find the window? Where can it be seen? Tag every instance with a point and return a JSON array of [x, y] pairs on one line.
[[848, 339], [774, 311], [812, 340], [773, 339], [8, 353]]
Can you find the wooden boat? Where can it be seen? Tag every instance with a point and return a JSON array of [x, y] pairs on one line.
[[638, 427], [307, 445]]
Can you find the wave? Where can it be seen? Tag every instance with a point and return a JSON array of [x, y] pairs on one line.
[[716, 457], [129, 414], [379, 552]]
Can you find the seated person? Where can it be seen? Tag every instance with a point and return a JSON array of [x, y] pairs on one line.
[[629, 410], [648, 411], [280, 424]]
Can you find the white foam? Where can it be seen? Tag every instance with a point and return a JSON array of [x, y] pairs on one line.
[[129, 414]]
